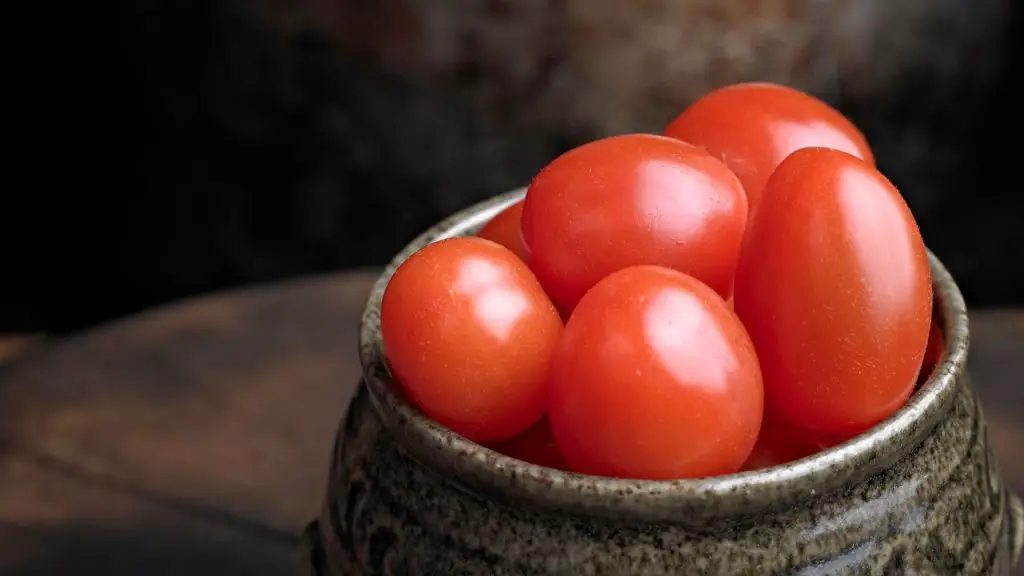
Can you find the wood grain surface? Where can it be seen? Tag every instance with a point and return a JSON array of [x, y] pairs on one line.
[[194, 439]]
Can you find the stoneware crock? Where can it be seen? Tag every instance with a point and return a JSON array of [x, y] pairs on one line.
[[920, 493]]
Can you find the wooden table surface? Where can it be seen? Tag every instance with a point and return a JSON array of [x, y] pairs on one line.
[[194, 439]]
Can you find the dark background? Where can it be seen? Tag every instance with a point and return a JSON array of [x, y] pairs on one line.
[[209, 144]]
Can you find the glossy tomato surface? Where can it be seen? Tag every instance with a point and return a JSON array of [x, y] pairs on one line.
[[536, 446], [505, 229], [655, 378], [631, 200], [834, 288], [469, 334], [752, 127]]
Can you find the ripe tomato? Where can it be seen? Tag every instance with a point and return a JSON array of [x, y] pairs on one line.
[[469, 334], [505, 230], [631, 200], [834, 288], [753, 126], [536, 446], [655, 378], [779, 442]]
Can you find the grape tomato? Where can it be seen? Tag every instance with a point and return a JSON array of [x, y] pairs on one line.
[[655, 378], [631, 200], [753, 127], [834, 288], [469, 334]]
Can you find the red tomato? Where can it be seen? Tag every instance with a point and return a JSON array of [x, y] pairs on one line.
[[752, 127], [834, 288], [536, 446], [631, 200], [469, 334], [655, 378], [505, 230], [779, 442]]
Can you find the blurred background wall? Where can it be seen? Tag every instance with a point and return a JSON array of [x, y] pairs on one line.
[[215, 143]]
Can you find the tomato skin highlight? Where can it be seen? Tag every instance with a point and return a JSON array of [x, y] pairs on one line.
[[834, 288], [505, 229], [536, 446], [754, 126], [631, 200], [655, 378], [469, 335]]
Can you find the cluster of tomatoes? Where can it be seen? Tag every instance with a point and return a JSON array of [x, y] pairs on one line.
[[737, 293]]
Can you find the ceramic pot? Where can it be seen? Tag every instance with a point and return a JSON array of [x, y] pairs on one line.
[[920, 493]]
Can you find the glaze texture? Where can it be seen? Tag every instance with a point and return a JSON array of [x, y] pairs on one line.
[[919, 494]]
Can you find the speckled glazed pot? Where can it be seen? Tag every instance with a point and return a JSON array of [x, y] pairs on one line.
[[919, 494]]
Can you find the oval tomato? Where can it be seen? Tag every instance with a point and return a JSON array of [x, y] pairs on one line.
[[469, 333], [655, 378], [505, 230], [536, 446], [753, 126], [834, 288], [631, 200]]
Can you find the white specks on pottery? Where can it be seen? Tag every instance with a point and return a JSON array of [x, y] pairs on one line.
[[918, 494]]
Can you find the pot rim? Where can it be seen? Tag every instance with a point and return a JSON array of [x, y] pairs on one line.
[[491, 475]]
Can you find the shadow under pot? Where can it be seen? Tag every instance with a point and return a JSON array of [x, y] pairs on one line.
[[918, 494]]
